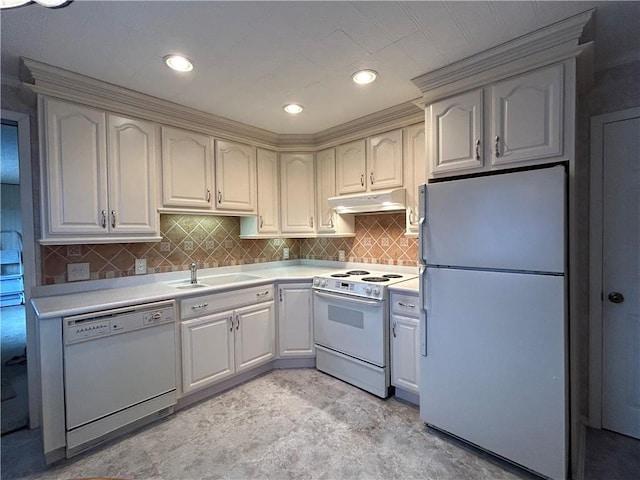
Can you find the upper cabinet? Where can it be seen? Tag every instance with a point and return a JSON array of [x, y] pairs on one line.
[[268, 193], [235, 177], [384, 160], [351, 167], [187, 169], [525, 116], [374, 163], [328, 221], [99, 174], [415, 173], [297, 193]]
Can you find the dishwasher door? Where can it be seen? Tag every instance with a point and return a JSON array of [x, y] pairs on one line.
[[131, 359]]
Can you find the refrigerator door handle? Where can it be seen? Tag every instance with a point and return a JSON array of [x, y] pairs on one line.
[[423, 311], [421, 240]]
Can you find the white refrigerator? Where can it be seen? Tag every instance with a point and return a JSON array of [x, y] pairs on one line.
[[493, 369]]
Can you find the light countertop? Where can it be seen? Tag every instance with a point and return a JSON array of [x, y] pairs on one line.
[[57, 301], [411, 287]]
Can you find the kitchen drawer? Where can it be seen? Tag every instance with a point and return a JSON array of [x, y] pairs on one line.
[[216, 302], [405, 304]]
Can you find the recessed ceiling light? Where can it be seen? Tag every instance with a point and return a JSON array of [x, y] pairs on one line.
[[362, 77], [178, 63], [293, 108]]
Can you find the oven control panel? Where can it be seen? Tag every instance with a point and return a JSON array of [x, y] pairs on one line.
[[360, 289]]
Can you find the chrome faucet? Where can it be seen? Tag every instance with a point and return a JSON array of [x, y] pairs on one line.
[[194, 269]]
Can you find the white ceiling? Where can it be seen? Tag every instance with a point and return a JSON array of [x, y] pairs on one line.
[[253, 57]]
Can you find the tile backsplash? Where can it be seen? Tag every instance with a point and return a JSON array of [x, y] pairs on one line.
[[215, 242]]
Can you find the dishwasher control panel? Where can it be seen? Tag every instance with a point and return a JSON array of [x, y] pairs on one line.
[[111, 322]]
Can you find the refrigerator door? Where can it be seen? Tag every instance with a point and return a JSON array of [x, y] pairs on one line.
[[513, 221], [494, 373]]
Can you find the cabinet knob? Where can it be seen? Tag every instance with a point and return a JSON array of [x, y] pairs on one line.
[[104, 219]]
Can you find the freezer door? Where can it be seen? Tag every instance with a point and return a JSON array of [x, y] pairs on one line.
[[494, 373], [512, 221]]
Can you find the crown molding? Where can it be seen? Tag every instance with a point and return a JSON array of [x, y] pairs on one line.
[[66, 85], [556, 42]]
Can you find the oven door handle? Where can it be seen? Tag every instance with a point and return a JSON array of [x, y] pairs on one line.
[[345, 298]]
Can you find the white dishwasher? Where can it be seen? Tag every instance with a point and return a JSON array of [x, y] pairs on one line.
[[119, 371]]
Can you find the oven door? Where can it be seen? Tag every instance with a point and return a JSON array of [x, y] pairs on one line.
[[351, 325]]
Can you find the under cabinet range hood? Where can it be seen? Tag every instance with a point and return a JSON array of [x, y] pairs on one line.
[[370, 202]]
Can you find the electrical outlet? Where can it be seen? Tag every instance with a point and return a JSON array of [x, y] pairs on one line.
[[341, 256], [141, 266], [78, 271], [285, 253]]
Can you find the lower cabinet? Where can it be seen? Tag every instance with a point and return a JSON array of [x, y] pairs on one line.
[[405, 343], [225, 338], [295, 320]]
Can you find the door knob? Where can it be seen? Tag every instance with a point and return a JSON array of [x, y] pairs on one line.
[[616, 297]]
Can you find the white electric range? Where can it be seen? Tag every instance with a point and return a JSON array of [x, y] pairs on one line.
[[351, 326]]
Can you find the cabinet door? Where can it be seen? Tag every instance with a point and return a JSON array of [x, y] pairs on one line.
[[76, 169], [268, 192], [235, 177], [384, 159], [297, 192], [295, 321], [405, 353], [351, 166], [326, 182], [527, 117], [187, 163], [207, 350], [415, 167], [255, 333], [132, 176], [455, 133]]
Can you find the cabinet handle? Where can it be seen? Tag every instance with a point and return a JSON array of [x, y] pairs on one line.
[[393, 329], [362, 180], [371, 178], [412, 217], [208, 195], [408, 305], [237, 322], [219, 196], [104, 219], [113, 219], [478, 149], [311, 222], [331, 221], [231, 322], [497, 146], [280, 291], [198, 307], [261, 221], [262, 294]]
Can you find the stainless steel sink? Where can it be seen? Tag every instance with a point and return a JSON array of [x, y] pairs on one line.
[[212, 281]]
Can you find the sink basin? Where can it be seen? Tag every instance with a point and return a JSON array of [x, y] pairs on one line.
[[213, 281]]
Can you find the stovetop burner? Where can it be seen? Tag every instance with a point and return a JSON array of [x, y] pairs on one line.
[[375, 279], [340, 275], [392, 275], [357, 272]]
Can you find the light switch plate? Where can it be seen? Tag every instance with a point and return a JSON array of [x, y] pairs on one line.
[[285, 253], [141, 266], [78, 271]]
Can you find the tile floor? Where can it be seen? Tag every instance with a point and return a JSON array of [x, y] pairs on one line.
[[285, 424]]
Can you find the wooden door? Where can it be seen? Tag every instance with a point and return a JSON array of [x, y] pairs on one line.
[[415, 168], [295, 321], [268, 192], [207, 350], [187, 164], [255, 335], [405, 353], [76, 169], [297, 192], [621, 277], [235, 176], [384, 161], [455, 134], [326, 181], [132, 176], [351, 166]]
